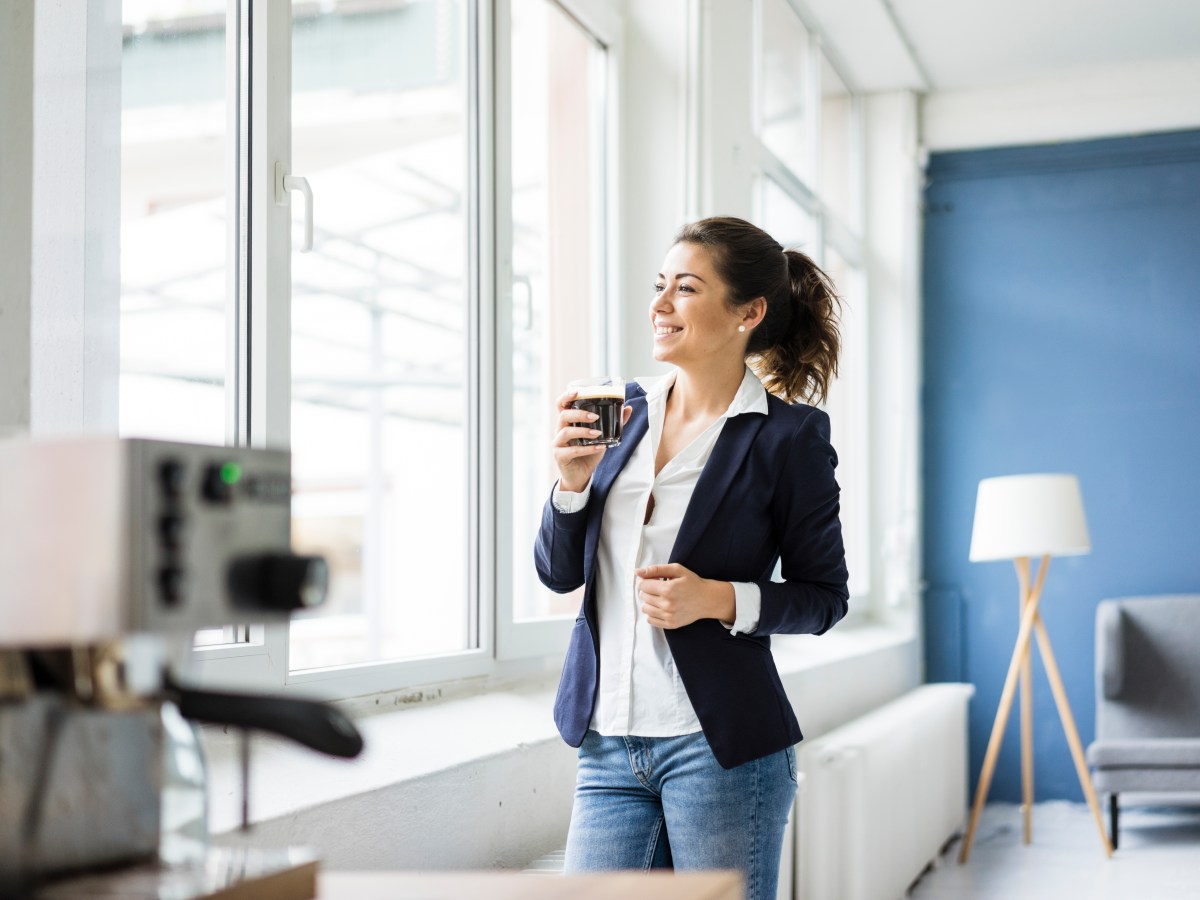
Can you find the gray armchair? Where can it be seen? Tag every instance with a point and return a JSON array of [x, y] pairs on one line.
[[1147, 697]]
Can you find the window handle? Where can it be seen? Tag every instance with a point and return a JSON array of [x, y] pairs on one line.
[[285, 183]]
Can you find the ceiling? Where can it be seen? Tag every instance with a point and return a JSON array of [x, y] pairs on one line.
[[945, 45]]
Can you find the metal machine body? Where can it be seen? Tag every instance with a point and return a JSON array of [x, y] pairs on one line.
[[113, 553], [95, 802]]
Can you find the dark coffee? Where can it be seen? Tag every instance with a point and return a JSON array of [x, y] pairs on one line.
[[607, 405]]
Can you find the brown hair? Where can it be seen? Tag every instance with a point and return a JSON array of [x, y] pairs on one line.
[[794, 349]]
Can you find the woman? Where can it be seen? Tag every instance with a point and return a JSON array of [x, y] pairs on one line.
[[669, 690]]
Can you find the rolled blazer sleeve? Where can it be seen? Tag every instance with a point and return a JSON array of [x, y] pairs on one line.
[[813, 595], [558, 550]]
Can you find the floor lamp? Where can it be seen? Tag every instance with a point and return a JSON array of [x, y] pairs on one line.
[[1018, 517]]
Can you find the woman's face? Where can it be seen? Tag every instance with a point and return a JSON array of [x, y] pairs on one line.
[[692, 322]]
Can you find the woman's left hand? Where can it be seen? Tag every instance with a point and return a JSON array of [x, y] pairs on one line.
[[673, 596]]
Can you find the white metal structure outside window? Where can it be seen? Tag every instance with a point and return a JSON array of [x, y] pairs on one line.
[[381, 330], [457, 153]]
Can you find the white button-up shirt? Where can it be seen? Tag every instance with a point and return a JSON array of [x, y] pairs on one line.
[[640, 692]]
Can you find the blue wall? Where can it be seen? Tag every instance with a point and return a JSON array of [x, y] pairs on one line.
[[1061, 334]]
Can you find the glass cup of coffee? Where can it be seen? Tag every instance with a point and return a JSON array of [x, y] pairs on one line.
[[603, 395]]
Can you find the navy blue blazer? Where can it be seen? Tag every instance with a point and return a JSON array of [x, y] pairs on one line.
[[767, 493]]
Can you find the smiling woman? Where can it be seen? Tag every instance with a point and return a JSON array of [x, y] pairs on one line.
[[669, 689]]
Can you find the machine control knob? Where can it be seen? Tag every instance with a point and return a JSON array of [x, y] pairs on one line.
[[171, 478], [278, 582], [218, 482], [170, 531], [171, 584]]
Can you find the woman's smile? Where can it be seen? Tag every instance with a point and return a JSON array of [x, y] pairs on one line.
[[665, 332]]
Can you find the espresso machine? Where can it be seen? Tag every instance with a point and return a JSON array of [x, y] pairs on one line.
[[113, 554]]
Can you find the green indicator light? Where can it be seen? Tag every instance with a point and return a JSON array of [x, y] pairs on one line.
[[231, 473]]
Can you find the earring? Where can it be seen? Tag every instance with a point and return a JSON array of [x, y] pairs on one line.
[[741, 328]]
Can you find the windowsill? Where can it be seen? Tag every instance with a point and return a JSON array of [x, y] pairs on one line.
[[399, 746], [410, 744], [796, 653]]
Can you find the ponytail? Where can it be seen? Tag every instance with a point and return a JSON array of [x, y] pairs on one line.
[[798, 359], [794, 349]]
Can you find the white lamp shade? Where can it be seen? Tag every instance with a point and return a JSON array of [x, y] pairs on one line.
[[1029, 515]]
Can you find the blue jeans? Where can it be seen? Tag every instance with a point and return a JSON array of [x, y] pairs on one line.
[[646, 803]]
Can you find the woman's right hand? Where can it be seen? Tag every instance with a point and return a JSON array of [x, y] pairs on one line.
[[577, 463]]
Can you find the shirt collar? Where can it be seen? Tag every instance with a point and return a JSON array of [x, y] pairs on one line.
[[751, 396]]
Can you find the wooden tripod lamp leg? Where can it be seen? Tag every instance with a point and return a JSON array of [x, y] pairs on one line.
[[1068, 723], [1026, 683], [1006, 699]]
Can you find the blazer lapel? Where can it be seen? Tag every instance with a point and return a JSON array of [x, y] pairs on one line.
[[606, 473], [731, 448], [616, 457]]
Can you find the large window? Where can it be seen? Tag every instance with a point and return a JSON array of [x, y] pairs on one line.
[[455, 152], [458, 155]]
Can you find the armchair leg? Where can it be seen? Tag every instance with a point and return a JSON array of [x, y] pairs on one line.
[[1113, 815]]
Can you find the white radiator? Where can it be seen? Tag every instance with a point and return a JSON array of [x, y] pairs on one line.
[[883, 794]]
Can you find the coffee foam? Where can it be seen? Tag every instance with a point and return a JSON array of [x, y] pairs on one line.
[[600, 392]]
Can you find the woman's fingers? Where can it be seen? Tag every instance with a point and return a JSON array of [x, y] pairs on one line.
[[570, 433], [572, 416], [648, 588], [662, 613], [565, 454], [575, 461], [576, 419], [667, 594], [665, 570]]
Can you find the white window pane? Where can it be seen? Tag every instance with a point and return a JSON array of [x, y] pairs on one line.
[[838, 183], [558, 263], [379, 328], [785, 122], [785, 219], [174, 170]]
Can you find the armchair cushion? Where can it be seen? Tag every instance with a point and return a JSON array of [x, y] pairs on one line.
[[1156, 753]]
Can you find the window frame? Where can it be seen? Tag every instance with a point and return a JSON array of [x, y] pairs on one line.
[[259, 295]]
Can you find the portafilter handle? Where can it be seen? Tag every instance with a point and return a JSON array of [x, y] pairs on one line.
[[318, 726]]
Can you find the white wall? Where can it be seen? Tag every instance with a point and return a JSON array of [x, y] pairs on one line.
[[1094, 103]]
